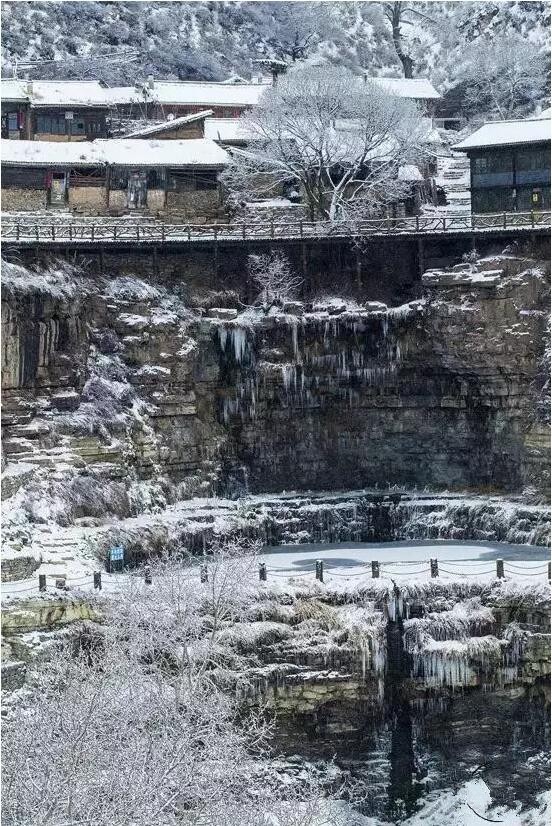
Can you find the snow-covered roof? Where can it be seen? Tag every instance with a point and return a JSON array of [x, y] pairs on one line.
[[14, 90], [168, 125], [227, 129], [184, 93], [116, 152], [65, 93], [418, 88], [546, 114], [409, 172], [507, 133]]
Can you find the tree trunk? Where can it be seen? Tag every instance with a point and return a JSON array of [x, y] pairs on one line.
[[406, 60]]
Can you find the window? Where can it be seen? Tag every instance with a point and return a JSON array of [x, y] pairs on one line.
[[13, 122], [493, 162], [493, 169], [23, 178], [529, 159], [76, 127], [533, 166], [206, 180], [95, 127], [181, 181], [50, 124]]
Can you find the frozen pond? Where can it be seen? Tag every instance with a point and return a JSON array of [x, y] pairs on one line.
[[408, 558]]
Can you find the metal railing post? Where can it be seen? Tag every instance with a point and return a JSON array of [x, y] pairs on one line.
[[375, 569], [434, 568], [500, 568]]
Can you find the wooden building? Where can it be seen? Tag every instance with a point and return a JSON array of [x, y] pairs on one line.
[[155, 99], [184, 128], [54, 110], [114, 177], [509, 165]]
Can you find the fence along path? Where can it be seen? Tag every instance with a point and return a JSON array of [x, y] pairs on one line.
[[424, 569], [19, 230]]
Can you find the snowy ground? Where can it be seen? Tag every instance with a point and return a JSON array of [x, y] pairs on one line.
[[471, 805]]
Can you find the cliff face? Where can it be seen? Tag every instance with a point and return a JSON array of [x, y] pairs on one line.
[[437, 392], [406, 689], [122, 395]]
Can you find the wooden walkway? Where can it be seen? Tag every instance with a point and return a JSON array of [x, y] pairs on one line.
[[75, 231]]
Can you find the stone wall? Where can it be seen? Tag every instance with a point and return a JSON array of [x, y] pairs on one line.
[[90, 200], [29, 200], [195, 204], [51, 137]]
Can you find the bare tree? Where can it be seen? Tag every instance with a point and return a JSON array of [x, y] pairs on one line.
[[299, 26], [503, 73], [400, 14], [118, 728], [339, 140], [275, 278]]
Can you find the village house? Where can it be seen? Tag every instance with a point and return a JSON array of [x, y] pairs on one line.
[[418, 89], [186, 127], [509, 165], [54, 110], [112, 177], [156, 99]]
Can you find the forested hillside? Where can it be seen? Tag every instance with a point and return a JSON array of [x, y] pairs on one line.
[[210, 40]]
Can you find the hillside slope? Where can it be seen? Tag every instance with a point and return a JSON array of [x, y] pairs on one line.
[[210, 40]]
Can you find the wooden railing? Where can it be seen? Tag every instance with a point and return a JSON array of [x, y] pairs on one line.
[[106, 230]]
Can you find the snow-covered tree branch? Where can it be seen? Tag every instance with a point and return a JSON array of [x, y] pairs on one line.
[[124, 724], [340, 141], [502, 73], [274, 277]]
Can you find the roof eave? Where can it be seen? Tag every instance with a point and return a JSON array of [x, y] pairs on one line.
[[70, 105], [460, 148]]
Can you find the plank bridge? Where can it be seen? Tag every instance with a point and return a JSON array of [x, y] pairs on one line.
[[76, 231]]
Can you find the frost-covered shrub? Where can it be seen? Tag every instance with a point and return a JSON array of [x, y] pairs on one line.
[[60, 281], [82, 495], [216, 298], [130, 288]]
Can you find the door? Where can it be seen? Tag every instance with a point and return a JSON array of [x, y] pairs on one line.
[[58, 189], [536, 199], [137, 190]]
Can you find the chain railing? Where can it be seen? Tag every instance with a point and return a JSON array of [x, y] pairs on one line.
[[432, 568]]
